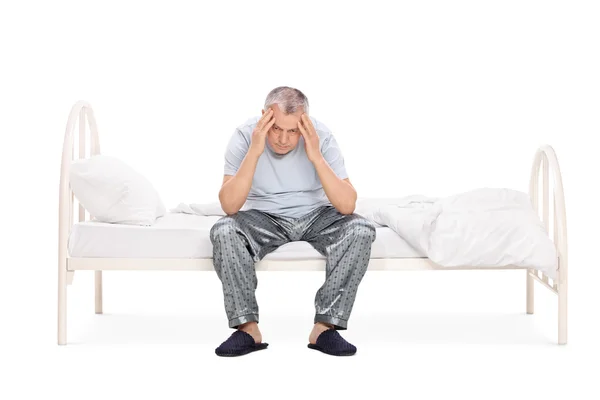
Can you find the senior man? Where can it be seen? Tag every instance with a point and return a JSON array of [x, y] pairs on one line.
[[288, 170]]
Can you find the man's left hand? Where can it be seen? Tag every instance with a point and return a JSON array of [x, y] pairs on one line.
[[311, 139]]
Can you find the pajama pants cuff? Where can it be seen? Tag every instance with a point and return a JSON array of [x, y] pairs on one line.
[[235, 322], [339, 324]]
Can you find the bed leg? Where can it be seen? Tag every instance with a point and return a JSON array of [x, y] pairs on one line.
[[62, 302], [529, 293], [562, 313], [98, 291]]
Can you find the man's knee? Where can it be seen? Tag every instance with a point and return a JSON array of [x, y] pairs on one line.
[[362, 228], [223, 228]]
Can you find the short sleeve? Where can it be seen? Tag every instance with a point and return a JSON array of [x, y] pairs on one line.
[[333, 155], [235, 152]]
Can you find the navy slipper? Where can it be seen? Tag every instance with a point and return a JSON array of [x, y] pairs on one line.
[[238, 344], [332, 343]]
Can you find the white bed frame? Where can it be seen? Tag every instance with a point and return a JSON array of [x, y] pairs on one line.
[[545, 159]]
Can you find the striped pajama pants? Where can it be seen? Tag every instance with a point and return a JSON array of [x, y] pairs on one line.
[[242, 239]]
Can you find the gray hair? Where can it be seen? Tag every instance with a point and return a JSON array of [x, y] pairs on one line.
[[288, 99]]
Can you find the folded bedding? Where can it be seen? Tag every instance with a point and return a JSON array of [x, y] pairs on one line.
[[485, 227], [480, 228]]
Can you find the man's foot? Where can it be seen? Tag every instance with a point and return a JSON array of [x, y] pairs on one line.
[[318, 328], [246, 339], [251, 328], [327, 340]]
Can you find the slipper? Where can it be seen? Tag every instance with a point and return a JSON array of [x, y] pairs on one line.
[[332, 343], [238, 344]]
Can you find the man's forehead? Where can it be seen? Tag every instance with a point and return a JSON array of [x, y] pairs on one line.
[[289, 121], [288, 125]]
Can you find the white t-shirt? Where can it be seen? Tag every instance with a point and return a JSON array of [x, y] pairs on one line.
[[286, 185]]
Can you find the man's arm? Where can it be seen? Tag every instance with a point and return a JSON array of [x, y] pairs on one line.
[[240, 164], [235, 189], [340, 192]]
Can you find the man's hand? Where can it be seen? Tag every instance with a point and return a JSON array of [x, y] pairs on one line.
[[311, 139], [257, 146]]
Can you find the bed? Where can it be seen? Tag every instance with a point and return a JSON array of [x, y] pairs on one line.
[[179, 241]]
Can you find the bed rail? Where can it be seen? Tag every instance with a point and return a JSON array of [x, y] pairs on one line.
[[80, 113], [546, 162]]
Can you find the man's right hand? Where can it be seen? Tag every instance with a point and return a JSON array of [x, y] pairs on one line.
[[259, 135]]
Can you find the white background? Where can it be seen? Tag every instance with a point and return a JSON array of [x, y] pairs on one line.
[[424, 98]]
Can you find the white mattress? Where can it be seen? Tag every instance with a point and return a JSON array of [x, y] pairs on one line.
[[178, 235]]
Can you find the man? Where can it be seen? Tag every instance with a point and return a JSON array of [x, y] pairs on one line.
[[287, 169]]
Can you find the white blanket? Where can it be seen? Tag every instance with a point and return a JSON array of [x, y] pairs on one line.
[[481, 228]]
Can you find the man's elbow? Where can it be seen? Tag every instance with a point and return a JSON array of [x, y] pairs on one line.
[[347, 209], [230, 211], [227, 207], [348, 205]]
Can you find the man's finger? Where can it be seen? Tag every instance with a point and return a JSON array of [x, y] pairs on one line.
[[265, 117], [302, 130], [268, 126], [307, 124]]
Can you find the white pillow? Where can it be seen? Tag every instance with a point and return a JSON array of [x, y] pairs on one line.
[[112, 191]]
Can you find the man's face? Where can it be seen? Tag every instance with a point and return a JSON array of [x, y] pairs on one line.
[[284, 134]]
